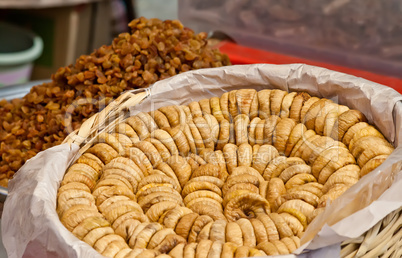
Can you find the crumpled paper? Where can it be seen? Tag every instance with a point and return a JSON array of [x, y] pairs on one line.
[[31, 228]]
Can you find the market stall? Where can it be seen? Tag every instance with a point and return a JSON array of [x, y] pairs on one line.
[[158, 145]]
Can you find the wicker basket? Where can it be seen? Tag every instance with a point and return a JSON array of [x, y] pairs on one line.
[[105, 120], [384, 239], [38, 230]]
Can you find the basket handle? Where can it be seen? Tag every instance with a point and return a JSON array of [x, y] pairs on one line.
[[117, 108]]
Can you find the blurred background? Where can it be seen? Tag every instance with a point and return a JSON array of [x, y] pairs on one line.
[[360, 37], [64, 30]]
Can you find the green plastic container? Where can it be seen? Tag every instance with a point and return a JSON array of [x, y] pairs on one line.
[[19, 48]]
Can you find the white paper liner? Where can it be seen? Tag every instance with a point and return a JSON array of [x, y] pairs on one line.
[[30, 225]]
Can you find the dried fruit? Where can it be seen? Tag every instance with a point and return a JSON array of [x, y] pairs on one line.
[[241, 200]]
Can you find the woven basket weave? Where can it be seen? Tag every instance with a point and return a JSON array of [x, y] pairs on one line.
[[105, 120], [384, 239]]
